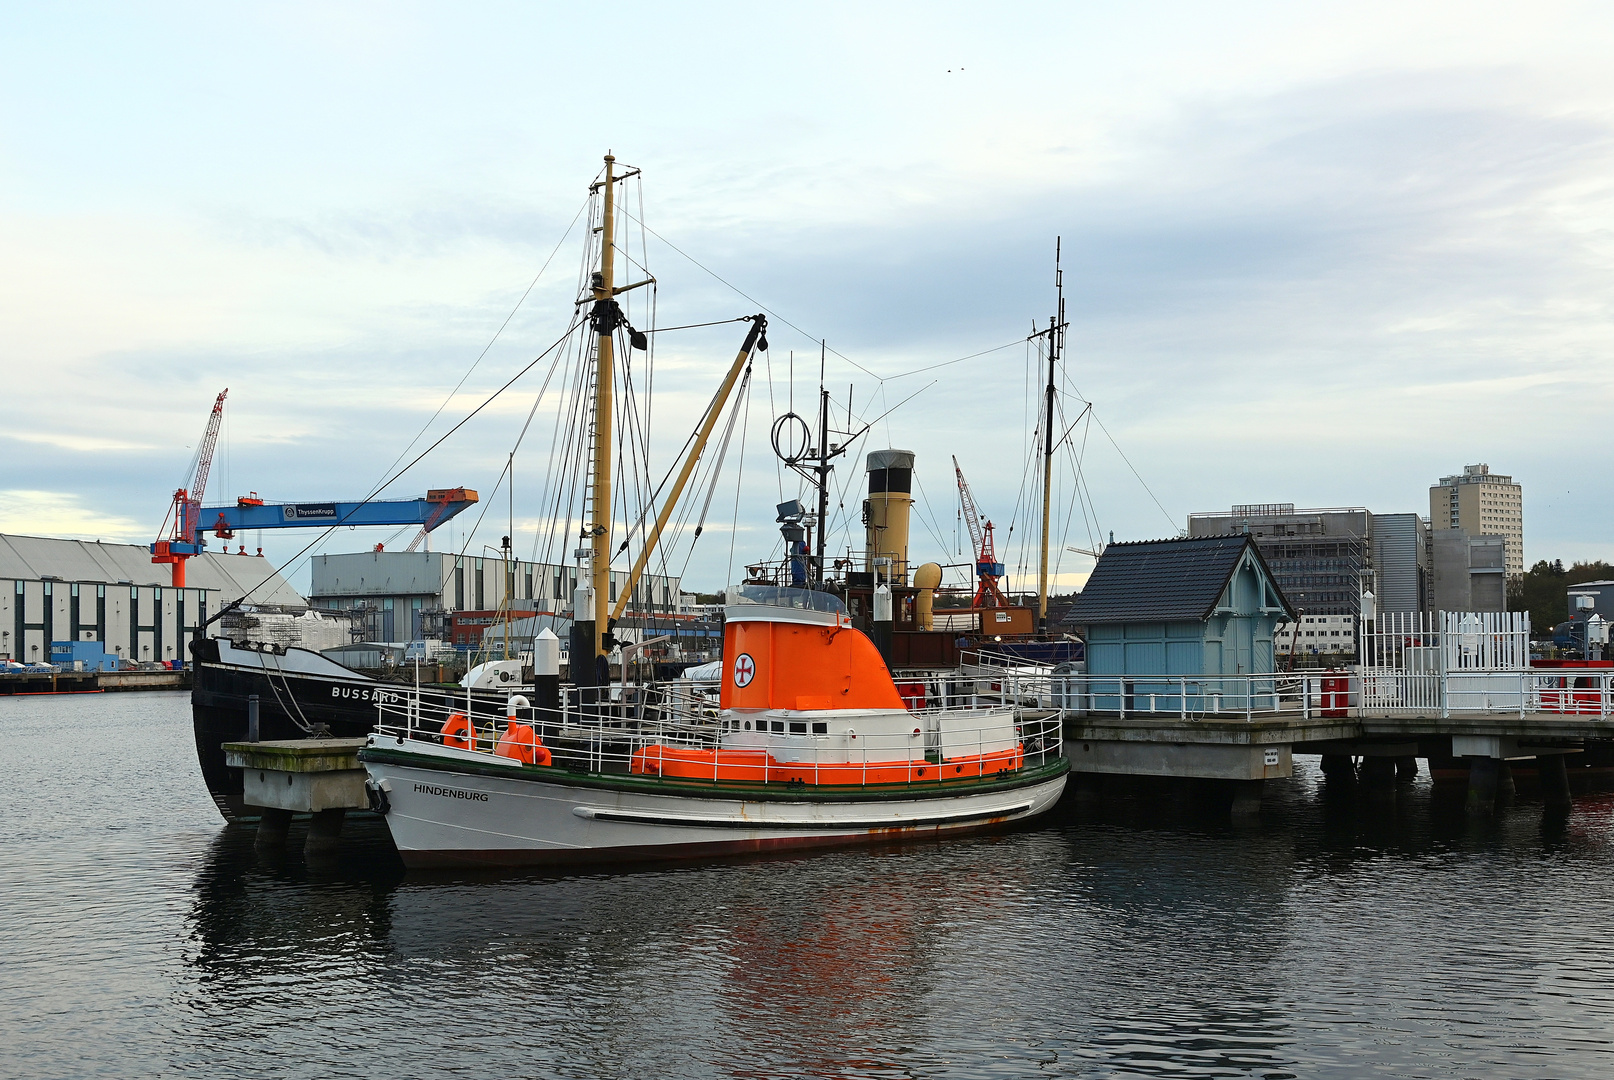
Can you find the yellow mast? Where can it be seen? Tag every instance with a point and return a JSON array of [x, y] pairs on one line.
[[600, 528]]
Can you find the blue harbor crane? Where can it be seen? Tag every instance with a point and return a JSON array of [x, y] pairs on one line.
[[189, 521], [250, 512]]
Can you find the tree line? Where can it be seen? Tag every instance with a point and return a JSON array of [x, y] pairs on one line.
[[1542, 590]]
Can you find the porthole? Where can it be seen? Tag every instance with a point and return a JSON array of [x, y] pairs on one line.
[[748, 725]]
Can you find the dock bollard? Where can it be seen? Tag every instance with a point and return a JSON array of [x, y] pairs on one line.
[[546, 673], [252, 718]]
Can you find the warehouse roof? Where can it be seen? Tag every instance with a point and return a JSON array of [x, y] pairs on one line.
[[1163, 580], [31, 558]]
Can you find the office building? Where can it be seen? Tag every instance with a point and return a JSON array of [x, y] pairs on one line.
[[1322, 559], [1482, 503], [1468, 573]]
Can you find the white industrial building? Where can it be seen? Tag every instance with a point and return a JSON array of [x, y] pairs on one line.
[[81, 590], [401, 592], [1316, 635]]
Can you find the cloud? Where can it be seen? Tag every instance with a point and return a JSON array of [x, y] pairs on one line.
[[55, 513], [1296, 269]]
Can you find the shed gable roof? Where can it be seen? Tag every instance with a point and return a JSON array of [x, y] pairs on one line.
[[1164, 580]]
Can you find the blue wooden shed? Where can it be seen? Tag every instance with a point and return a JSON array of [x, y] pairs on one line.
[[1193, 610]]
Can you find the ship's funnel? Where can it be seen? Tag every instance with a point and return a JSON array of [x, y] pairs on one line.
[[886, 511]]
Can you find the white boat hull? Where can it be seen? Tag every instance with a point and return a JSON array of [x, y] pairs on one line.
[[444, 809]]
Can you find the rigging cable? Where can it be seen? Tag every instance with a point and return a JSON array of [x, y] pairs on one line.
[[480, 356], [722, 452], [739, 481], [330, 529]]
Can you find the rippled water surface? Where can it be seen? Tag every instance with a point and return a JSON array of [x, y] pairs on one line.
[[145, 938]]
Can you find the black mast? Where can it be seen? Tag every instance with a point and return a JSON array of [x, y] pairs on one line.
[[823, 469]]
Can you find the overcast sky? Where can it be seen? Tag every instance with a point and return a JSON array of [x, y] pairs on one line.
[[1321, 253]]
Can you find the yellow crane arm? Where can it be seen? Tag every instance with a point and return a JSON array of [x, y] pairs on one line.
[[753, 338]]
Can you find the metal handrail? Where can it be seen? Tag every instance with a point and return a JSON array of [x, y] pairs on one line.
[[604, 737]]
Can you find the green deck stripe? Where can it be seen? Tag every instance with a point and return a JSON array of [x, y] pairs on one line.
[[756, 792]]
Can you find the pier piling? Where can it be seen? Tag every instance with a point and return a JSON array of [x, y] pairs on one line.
[[1554, 775], [1247, 799], [324, 831], [1379, 778], [1406, 769], [1482, 782], [1340, 771], [273, 824], [1506, 789], [321, 777]]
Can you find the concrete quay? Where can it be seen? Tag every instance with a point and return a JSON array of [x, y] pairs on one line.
[[1244, 753], [90, 682]]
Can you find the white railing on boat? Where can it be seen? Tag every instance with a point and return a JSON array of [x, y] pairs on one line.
[[676, 731], [1582, 692]]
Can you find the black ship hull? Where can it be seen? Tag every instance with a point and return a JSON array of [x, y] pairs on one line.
[[301, 695]]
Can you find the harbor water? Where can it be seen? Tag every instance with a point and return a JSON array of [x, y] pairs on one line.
[[146, 938]]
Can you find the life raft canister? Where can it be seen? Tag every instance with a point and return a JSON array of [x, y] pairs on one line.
[[521, 742], [459, 733]]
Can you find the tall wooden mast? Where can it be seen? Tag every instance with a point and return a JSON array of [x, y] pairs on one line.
[[600, 527]]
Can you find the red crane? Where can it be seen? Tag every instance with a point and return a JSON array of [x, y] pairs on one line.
[[183, 540], [987, 567]]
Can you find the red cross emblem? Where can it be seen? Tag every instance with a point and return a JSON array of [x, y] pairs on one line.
[[745, 669]]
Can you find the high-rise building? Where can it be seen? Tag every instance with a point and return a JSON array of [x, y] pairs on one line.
[[1482, 503]]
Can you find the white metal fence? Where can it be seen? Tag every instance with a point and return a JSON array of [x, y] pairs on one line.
[[1429, 642], [1565, 691]]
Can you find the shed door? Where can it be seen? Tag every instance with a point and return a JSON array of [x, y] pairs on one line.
[[1241, 641]]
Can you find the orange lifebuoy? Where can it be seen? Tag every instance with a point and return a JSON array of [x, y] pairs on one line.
[[521, 742], [459, 732]]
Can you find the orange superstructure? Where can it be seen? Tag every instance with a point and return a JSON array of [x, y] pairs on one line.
[[816, 660]]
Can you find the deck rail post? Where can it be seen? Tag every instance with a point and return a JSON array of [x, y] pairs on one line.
[[1182, 698], [1445, 698]]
